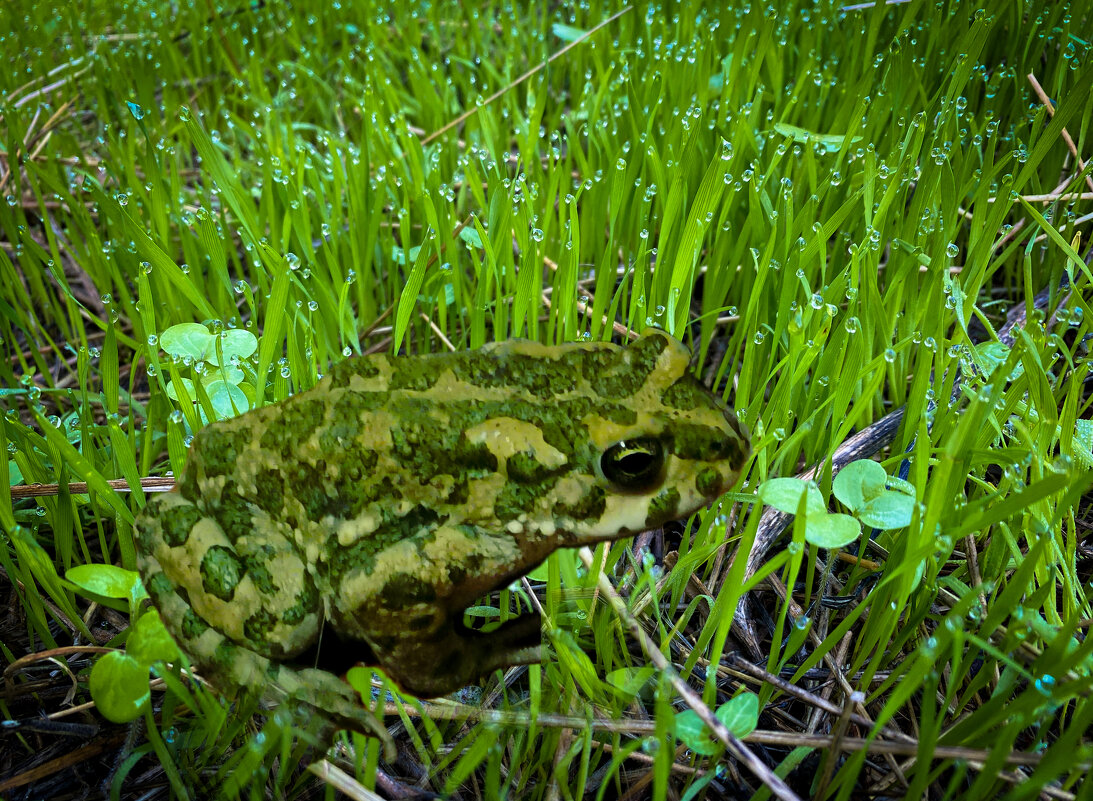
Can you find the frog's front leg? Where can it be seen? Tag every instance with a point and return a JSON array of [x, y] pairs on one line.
[[434, 660]]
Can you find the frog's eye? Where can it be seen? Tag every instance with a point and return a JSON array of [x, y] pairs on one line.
[[634, 465]]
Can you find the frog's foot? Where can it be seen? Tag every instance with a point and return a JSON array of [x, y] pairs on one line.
[[455, 656], [515, 642], [334, 699]]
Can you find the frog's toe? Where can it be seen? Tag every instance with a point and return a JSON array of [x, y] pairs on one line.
[[337, 701]]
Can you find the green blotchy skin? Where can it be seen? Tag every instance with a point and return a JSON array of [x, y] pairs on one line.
[[378, 505]]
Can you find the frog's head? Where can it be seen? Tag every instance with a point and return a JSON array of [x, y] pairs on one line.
[[564, 444], [680, 449]]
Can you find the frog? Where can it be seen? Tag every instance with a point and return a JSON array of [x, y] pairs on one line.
[[355, 522]]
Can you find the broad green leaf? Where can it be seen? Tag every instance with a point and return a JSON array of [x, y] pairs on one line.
[[110, 581], [889, 510], [692, 732], [740, 714], [832, 142], [223, 395], [186, 339], [470, 235], [858, 482], [862, 487], [229, 374], [149, 641], [567, 33], [237, 342], [831, 530], [784, 494], [119, 685], [186, 384]]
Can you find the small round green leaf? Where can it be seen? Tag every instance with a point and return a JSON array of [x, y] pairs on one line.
[[119, 685], [692, 732], [992, 355], [740, 714], [172, 391], [858, 482], [187, 339], [229, 373], [784, 494], [223, 395], [832, 530], [471, 237], [890, 510], [236, 342]]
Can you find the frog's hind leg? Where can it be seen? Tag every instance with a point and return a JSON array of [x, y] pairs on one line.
[[238, 606], [514, 642], [165, 554]]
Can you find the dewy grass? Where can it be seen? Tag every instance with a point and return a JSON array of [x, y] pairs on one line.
[[837, 205]]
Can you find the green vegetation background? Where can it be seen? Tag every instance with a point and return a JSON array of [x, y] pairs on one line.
[[835, 204]]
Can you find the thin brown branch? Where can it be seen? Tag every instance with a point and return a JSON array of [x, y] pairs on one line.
[[470, 112]]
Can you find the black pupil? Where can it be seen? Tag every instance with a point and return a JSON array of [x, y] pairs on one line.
[[634, 465], [636, 462]]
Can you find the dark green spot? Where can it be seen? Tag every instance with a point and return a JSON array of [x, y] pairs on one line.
[[259, 630], [592, 505], [514, 499], [705, 443], [269, 492], [221, 572], [233, 513], [427, 449], [418, 524], [415, 522], [458, 494], [177, 521], [708, 482], [294, 422], [627, 374], [663, 507], [307, 602], [159, 586], [526, 469], [532, 481], [421, 372], [216, 449], [342, 373], [192, 626], [224, 658], [687, 393], [255, 565]]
